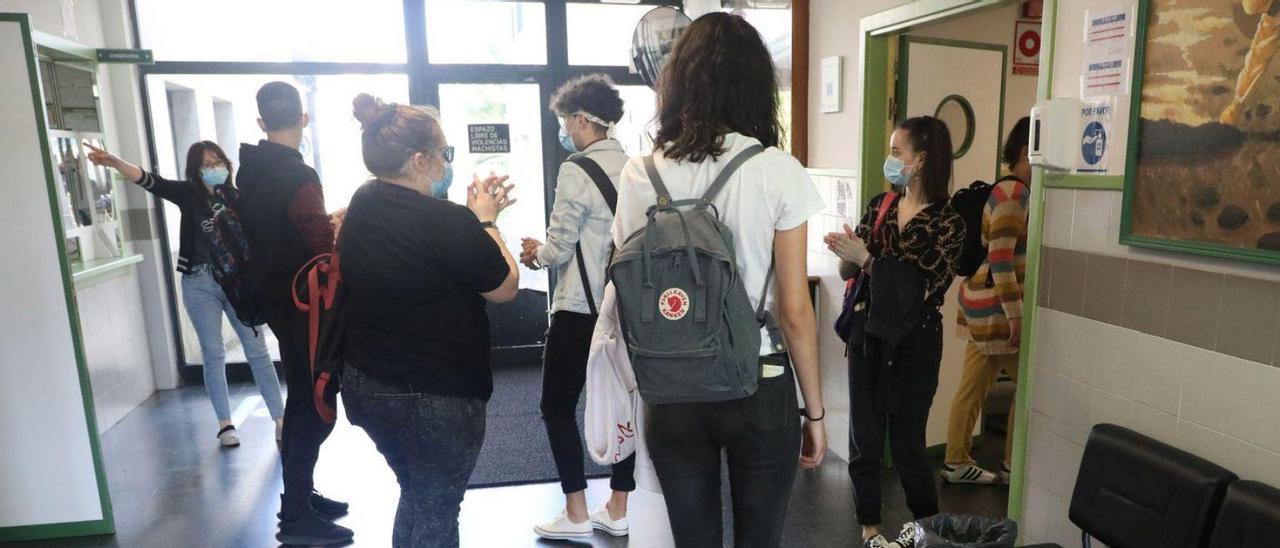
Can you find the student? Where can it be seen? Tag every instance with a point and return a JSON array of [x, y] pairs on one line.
[[418, 271], [282, 209], [923, 233], [578, 244], [717, 96], [207, 168], [991, 313]]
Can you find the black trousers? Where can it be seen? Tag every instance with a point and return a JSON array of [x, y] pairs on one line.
[[760, 436], [920, 358], [303, 429], [564, 373]]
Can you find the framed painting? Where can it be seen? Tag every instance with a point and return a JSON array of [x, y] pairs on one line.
[[1203, 172]]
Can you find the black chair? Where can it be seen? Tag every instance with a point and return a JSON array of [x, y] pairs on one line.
[[1135, 492], [1250, 517]]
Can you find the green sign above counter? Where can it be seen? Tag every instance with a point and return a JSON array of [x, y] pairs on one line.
[[127, 56]]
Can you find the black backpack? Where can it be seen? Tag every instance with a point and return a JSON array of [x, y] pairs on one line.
[[230, 257], [970, 204]]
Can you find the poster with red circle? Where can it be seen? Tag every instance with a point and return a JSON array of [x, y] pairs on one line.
[[1026, 48]]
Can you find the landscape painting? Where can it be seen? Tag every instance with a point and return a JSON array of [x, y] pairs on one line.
[[1204, 168]]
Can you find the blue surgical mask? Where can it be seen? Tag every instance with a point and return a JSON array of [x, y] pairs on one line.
[[214, 176], [566, 141], [440, 189], [895, 170]]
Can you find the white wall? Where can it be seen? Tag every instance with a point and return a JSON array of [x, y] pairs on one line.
[[1216, 405], [46, 467]]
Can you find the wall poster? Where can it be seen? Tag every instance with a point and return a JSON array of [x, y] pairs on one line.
[[1203, 173]]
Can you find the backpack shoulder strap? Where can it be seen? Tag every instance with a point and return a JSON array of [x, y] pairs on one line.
[[729, 169], [601, 180], [664, 195]]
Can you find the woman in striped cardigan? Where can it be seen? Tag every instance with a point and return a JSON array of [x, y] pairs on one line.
[[991, 312]]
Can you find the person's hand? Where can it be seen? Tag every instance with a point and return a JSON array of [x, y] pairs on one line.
[[99, 157], [336, 218], [847, 246], [1015, 332], [489, 197], [814, 444], [529, 253]]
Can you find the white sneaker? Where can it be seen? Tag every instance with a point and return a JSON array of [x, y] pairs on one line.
[[227, 436], [562, 528], [601, 521], [968, 473]]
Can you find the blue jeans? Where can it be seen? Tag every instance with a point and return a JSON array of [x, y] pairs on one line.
[[206, 303], [431, 442]]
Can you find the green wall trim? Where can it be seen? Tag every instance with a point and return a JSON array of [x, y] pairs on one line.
[[106, 525], [94, 272], [57, 530], [63, 49], [1031, 286], [1095, 182]]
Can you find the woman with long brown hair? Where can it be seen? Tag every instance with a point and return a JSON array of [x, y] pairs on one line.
[[718, 97]]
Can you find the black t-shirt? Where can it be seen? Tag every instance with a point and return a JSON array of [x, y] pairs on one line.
[[414, 268]]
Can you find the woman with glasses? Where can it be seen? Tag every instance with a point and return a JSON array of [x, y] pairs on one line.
[[418, 271]]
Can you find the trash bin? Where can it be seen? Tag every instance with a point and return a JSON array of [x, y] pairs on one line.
[[950, 531]]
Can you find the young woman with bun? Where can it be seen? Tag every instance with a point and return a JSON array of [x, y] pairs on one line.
[[418, 271]]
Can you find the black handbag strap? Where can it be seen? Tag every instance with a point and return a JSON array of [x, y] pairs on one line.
[[605, 186]]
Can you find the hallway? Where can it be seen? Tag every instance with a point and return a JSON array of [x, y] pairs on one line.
[[171, 485]]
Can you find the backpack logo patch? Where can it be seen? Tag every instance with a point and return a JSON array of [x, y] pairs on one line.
[[673, 304]]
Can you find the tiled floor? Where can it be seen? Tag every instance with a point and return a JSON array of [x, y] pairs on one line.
[[171, 485]]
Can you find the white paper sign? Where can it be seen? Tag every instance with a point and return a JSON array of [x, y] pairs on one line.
[[831, 84], [1108, 58], [1095, 135]]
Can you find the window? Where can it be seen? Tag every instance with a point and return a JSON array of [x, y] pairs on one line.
[[600, 34], [275, 31], [472, 32]]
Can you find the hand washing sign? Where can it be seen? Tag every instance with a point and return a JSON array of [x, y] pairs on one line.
[[489, 138], [1095, 121]]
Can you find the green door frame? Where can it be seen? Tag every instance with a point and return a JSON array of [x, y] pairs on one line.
[[904, 64], [105, 525], [874, 39]]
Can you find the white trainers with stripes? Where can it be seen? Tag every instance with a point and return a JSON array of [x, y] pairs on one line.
[[601, 521], [968, 473], [563, 528], [227, 436]]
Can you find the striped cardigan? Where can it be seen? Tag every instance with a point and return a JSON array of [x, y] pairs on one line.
[[992, 296]]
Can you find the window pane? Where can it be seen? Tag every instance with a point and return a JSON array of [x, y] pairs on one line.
[[774, 26], [600, 34], [221, 108], [277, 31], [479, 32], [516, 105], [635, 130]]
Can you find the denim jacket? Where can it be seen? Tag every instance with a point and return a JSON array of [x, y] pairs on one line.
[[580, 214]]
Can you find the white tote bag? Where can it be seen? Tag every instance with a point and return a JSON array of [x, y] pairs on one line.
[[614, 421]]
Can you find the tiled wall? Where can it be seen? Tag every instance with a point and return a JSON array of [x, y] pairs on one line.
[[1185, 356], [116, 347]]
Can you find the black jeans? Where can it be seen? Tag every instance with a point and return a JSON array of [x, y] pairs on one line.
[[760, 436], [564, 372], [431, 442], [920, 358], [303, 429]]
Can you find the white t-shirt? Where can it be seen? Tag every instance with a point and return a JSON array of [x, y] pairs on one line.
[[769, 192]]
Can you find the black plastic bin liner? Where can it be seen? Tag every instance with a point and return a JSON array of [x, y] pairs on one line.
[[951, 531]]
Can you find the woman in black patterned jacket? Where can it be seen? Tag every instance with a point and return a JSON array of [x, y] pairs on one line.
[[919, 229]]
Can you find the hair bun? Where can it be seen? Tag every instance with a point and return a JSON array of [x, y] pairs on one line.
[[371, 111]]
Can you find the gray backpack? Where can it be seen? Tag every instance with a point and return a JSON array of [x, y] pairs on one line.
[[685, 315]]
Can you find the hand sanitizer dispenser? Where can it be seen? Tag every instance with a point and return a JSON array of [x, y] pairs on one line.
[[1055, 134]]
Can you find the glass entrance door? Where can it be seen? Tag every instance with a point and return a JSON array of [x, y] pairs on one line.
[[497, 128]]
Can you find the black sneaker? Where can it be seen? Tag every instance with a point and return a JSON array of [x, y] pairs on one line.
[[310, 529], [326, 507]]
